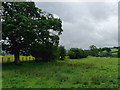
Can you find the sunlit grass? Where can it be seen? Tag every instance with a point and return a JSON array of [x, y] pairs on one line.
[[7, 59], [114, 50]]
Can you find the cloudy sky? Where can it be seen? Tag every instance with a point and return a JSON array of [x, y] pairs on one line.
[[85, 23]]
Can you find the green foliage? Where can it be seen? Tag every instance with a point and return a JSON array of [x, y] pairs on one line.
[[23, 19], [2, 53], [106, 48], [75, 53], [18, 26], [108, 52], [100, 50], [93, 51], [115, 55], [62, 52], [119, 52], [44, 52], [105, 54]]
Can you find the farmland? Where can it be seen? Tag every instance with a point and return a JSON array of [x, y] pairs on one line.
[[69, 61], [113, 51], [90, 72]]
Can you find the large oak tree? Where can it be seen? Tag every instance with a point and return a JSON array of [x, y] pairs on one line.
[[24, 25]]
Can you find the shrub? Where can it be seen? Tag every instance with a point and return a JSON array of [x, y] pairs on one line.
[[44, 52], [75, 53], [93, 51], [105, 54], [115, 55], [85, 53], [119, 53], [62, 52], [71, 54]]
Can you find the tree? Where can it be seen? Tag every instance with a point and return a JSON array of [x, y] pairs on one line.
[[44, 52], [76, 53], [93, 50], [2, 53], [105, 54], [100, 50], [62, 52], [73, 53], [48, 31], [107, 49], [85, 53], [119, 52], [24, 25], [18, 26]]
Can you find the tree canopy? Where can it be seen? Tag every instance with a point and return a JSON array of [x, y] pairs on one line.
[[62, 52], [76, 53], [25, 25], [93, 50]]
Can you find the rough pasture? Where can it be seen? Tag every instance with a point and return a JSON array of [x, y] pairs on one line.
[[89, 72]]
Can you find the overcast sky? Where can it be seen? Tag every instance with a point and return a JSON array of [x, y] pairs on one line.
[[85, 24]]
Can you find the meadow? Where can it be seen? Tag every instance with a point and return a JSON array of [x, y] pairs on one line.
[[90, 72]]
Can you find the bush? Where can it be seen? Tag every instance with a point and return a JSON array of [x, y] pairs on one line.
[[44, 52], [115, 55], [105, 54], [118, 52], [93, 51], [62, 52], [85, 53], [75, 53], [71, 54]]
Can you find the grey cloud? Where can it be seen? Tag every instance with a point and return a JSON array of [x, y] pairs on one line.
[[85, 24]]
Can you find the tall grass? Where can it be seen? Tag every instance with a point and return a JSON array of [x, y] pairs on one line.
[[91, 72]]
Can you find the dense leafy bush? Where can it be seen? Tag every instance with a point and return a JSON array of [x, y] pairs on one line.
[[93, 51], [75, 53], [115, 55], [105, 54], [62, 52], [44, 52], [118, 52], [85, 53]]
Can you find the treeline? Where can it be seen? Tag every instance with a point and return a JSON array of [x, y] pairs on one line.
[[104, 52], [28, 30], [76, 53]]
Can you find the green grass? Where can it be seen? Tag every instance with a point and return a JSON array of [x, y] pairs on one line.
[[114, 50], [115, 53], [91, 72]]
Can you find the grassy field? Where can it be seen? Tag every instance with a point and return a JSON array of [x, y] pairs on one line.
[[91, 72], [114, 50]]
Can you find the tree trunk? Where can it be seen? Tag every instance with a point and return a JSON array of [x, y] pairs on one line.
[[17, 61]]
